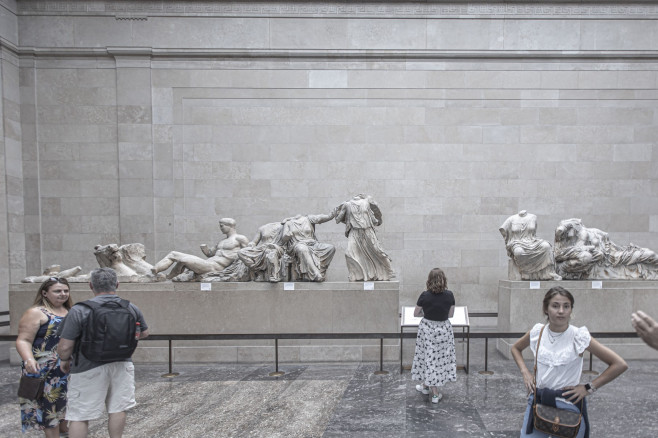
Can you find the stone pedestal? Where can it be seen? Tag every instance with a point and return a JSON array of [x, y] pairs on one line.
[[237, 308], [607, 309]]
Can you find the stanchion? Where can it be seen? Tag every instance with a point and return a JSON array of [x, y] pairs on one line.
[[486, 358], [590, 371], [276, 372], [170, 374], [381, 358]]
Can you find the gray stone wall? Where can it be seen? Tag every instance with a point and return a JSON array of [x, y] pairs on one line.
[[148, 121]]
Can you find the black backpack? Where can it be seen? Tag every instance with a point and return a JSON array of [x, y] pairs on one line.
[[110, 331]]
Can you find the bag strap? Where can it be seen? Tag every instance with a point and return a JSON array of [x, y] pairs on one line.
[[534, 399]]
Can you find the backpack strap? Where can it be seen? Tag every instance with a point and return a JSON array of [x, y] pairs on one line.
[[76, 347], [126, 304]]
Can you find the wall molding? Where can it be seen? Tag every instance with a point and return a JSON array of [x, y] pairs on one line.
[[335, 55], [565, 9]]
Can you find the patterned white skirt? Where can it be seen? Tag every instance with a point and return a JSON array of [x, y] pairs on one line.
[[434, 361]]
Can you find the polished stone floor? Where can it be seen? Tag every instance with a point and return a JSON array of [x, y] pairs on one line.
[[349, 400]]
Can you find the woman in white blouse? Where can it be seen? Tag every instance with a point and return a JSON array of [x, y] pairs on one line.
[[560, 359]]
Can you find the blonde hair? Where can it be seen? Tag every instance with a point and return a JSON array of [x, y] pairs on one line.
[[436, 281]]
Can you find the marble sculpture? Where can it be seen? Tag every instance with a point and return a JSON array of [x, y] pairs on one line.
[[220, 256], [310, 258], [365, 257], [531, 255], [278, 246], [281, 251], [583, 253], [129, 261], [261, 260], [53, 271]]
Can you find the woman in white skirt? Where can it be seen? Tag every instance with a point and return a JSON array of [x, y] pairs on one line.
[[434, 361]]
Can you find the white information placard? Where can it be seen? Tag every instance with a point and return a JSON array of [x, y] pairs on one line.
[[368, 285], [288, 286], [535, 284], [206, 286], [597, 285]]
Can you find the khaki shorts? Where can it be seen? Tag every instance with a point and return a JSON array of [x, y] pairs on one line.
[[110, 386]]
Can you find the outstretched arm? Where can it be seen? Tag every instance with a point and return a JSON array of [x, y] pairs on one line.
[[322, 218]]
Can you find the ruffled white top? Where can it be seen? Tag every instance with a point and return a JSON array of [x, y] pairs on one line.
[[560, 359]]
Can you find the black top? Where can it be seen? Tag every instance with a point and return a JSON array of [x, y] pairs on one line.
[[436, 307]]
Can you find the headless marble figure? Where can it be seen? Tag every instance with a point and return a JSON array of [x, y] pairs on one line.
[[533, 256]]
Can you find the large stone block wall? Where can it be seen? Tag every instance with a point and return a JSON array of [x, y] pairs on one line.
[[148, 121]]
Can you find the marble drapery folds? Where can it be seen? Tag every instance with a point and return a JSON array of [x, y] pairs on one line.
[[583, 253], [310, 257], [366, 259], [532, 256]]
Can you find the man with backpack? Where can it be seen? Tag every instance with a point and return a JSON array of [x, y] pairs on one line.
[[97, 340]]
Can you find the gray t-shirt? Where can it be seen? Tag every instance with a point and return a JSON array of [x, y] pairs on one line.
[[72, 326]]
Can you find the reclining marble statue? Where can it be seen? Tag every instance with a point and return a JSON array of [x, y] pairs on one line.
[[532, 256], [261, 260], [53, 271], [129, 262], [187, 267], [583, 253], [366, 259]]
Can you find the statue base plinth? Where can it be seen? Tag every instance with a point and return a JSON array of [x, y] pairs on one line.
[[604, 309], [251, 308]]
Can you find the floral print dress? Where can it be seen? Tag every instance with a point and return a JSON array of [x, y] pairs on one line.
[[435, 361], [50, 409]]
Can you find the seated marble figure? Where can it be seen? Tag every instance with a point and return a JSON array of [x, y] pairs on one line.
[[531, 255], [187, 267], [583, 253], [310, 258]]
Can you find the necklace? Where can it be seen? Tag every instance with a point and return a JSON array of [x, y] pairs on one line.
[[552, 336]]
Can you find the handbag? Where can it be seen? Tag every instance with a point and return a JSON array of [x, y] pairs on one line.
[[31, 387], [552, 420]]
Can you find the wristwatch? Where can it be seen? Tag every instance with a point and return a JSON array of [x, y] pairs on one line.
[[590, 388]]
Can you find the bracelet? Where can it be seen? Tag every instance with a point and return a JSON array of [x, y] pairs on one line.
[[64, 360]]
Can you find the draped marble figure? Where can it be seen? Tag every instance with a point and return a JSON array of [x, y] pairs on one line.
[[531, 255], [264, 255], [583, 253], [310, 258], [365, 257]]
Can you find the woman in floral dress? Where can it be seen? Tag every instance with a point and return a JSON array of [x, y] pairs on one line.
[[37, 345], [435, 362]]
